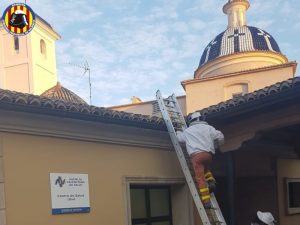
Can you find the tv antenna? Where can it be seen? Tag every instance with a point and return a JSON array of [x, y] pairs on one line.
[[86, 69]]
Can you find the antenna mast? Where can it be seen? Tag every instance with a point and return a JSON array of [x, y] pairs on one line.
[[86, 69]]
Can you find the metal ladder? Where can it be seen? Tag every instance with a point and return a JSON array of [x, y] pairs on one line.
[[174, 120]]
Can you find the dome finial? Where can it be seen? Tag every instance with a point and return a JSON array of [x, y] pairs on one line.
[[236, 12]]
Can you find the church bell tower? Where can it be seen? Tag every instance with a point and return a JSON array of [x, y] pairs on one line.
[[28, 63]]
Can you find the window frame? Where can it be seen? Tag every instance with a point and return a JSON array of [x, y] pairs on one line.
[[246, 88], [182, 201], [290, 210], [150, 220]]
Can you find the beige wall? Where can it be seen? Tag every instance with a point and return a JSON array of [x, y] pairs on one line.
[[30, 159], [44, 66], [10, 56], [146, 108], [203, 93], [14, 66], [16, 81], [287, 169], [2, 191]]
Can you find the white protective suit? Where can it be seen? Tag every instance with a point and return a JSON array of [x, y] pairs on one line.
[[200, 136]]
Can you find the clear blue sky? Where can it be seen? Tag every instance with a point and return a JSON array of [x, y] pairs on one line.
[[135, 47]]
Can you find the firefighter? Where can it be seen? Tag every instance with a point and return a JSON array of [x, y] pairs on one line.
[[263, 218], [201, 141]]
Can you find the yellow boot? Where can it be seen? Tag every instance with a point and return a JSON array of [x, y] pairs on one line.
[[211, 181], [205, 198]]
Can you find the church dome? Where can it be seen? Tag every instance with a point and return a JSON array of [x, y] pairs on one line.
[[61, 93], [240, 47], [239, 39]]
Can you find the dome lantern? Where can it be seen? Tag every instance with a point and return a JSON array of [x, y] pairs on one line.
[[236, 12]]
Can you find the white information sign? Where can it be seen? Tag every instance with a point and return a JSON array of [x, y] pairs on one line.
[[69, 193]]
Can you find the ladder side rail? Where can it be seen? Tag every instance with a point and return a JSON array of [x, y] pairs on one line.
[[214, 201], [215, 205], [182, 161], [179, 111]]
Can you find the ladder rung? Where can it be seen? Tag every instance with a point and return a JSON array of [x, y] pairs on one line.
[[168, 100], [175, 112], [170, 108], [175, 116], [213, 208], [218, 222]]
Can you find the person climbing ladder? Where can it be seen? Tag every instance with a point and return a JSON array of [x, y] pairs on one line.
[[201, 141]]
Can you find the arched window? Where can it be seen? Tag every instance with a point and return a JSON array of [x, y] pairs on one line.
[[16, 44], [43, 47], [235, 90]]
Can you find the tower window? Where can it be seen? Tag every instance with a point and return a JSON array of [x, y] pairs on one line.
[[43, 47], [16, 44]]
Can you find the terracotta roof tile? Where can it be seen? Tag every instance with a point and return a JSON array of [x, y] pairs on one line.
[[41, 104], [45, 105], [60, 92]]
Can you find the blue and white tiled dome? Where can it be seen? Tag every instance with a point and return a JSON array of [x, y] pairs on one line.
[[239, 39]]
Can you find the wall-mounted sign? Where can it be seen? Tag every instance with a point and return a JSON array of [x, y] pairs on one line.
[[69, 193]]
